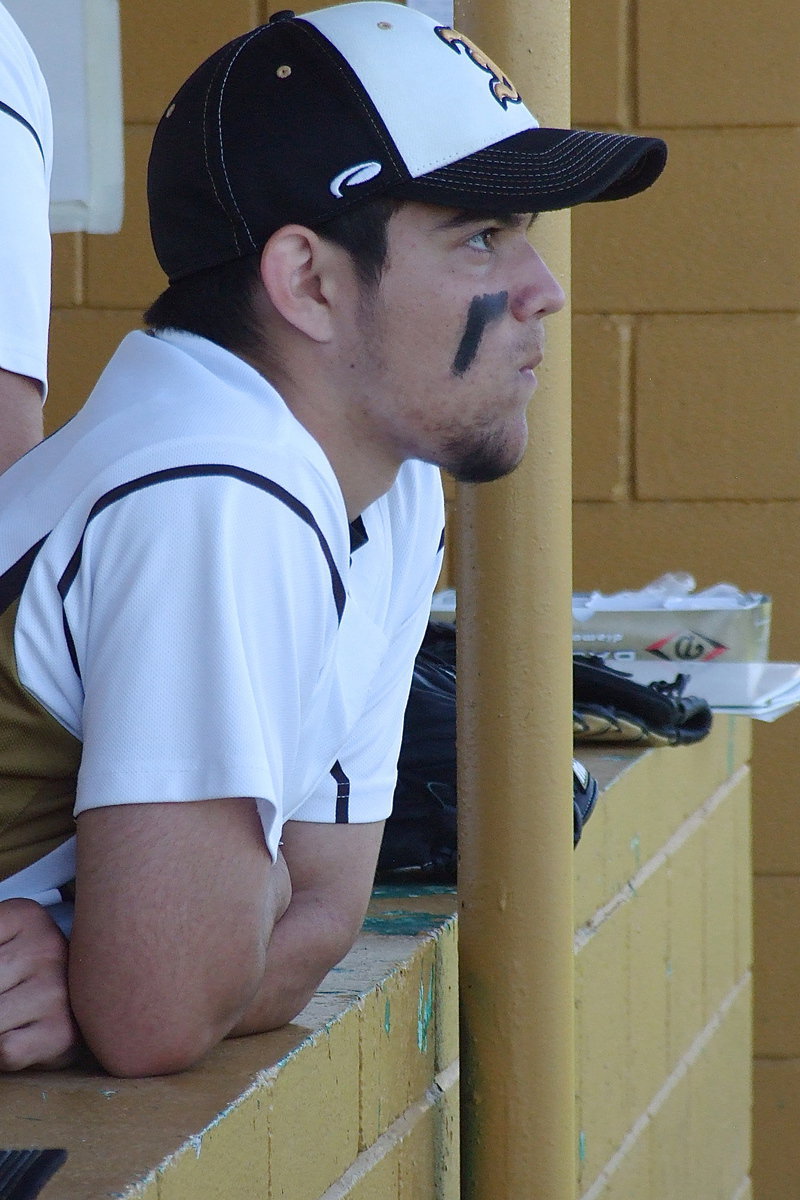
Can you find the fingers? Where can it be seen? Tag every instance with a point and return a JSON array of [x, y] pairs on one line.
[[30, 942], [36, 1023], [27, 919], [49, 1044]]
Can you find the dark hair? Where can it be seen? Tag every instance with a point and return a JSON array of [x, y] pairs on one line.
[[218, 303]]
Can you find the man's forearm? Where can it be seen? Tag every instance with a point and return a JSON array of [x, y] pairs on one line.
[[332, 868], [306, 943], [20, 416]]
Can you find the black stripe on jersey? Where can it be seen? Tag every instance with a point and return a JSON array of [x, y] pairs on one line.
[[12, 112], [14, 579], [193, 471], [358, 535], [441, 542], [342, 794]]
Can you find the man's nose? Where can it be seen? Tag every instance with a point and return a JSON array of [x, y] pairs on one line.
[[539, 293]]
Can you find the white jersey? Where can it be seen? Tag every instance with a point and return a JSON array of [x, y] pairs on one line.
[[186, 613], [26, 158]]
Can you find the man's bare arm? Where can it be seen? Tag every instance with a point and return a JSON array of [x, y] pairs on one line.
[[174, 908], [185, 934], [332, 868], [20, 416]]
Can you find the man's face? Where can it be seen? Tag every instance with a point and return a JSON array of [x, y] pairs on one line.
[[451, 338]]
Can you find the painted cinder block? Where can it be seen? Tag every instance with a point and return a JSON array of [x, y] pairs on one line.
[[230, 1158], [776, 765], [720, 1081], [642, 809], [379, 1182], [590, 862], [160, 54], [714, 235], [67, 272], [719, 901], [417, 1158], [601, 420], [648, 994], [604, 1106], [632, 1176], [81, 343], [398, 1044], [695, 68], [313, 1113], [446, 984], [776, 1120], [755, 546], [599, 77], [121, 268], [715, 410], [741, 802], [671, 1170], [449, 1145], [650, 802], [684, 965], [776, 903]]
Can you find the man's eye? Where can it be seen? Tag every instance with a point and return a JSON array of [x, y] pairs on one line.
[[483, 240]]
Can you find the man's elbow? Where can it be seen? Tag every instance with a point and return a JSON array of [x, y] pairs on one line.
[[133, 1054], [146, 1035]]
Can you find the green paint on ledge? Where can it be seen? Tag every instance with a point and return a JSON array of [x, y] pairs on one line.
[[425, 1012], [404, 921], [407, 890]]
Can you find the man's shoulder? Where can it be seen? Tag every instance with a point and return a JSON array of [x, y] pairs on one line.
[[158, 414]]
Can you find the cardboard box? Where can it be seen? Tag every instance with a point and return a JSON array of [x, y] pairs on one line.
[[679, 634]]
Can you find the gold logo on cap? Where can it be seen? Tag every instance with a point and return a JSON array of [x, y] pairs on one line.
[[500, 86]]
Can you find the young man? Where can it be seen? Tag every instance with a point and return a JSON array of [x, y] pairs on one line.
[[215, 579], [26, 152]]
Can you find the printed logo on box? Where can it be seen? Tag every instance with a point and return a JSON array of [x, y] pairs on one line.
[[687, 646]]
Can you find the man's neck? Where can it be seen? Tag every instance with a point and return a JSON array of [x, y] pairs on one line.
[[364, 473]]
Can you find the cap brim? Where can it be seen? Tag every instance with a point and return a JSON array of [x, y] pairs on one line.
[[544, 169]]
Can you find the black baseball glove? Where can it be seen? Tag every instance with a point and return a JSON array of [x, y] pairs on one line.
[[609, 706]]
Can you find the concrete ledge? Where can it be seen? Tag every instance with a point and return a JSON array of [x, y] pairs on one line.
[[356, 1098]]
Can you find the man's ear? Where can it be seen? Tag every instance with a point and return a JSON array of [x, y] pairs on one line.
[[295, 273]]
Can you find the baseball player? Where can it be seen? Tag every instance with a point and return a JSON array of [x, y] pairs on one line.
[[214, 580]]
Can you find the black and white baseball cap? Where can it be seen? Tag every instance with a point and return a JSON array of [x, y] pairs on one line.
[[307, 116]]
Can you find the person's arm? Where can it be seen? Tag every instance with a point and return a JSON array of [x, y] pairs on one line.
[[36, 1024], [20, 416], [332, 869], [182, 933]]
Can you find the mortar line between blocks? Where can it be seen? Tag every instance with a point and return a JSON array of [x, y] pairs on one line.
[[662, 856], [681, 1069], [368, 1159]]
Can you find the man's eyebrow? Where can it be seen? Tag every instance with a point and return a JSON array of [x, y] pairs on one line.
[[475, 217]]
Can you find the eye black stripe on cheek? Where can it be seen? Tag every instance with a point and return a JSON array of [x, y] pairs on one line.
[[482, 311]]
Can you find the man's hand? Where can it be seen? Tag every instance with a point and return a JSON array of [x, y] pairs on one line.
[[36, 1024]]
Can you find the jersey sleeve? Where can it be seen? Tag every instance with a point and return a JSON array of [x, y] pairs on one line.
[[196, 655], [26, 154]]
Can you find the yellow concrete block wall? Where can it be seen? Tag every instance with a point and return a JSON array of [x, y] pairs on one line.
[[663, 975], [686, 369]]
